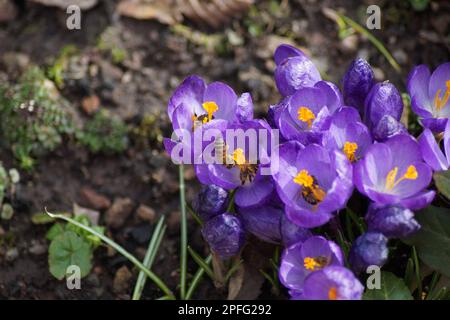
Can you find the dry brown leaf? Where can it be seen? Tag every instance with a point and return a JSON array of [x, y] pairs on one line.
[[211, 12], [162, 10], [64, 4], [246, 282]]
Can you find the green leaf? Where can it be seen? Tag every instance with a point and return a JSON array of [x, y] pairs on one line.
[[54, 231], [433, 239], [392, 288], [442, 180], [69, 249]]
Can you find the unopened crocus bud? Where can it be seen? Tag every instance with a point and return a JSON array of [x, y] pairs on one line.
[[292, 233], [368, 249], [225, 234], [263, 222], [294, 70], [387, 127], [392, 221], [210, 201], [357, 82], [382, 100], [244, 109]]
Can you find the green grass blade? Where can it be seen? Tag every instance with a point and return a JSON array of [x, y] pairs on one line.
[[197, 278], [201, 263], [194, 214], [377, 43], [150, 255], [119, 249]]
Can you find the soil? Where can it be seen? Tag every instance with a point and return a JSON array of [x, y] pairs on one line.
[[157, 59]]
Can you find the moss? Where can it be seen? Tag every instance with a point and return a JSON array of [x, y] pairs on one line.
[[34, 118], [56, 71], [104, 134], [110, 44]]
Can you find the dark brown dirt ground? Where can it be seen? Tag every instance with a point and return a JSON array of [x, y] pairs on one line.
[[158, 59]]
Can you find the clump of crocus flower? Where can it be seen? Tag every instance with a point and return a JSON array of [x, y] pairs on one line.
[[329, 144]]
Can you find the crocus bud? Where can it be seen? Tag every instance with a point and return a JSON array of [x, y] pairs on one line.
[[292, 233], [224, 234], [368, 249], [357, 82], [210, 201], [262, 222], [382, 100], [294, 70], [392, 221], [387, 127], [244, 109]]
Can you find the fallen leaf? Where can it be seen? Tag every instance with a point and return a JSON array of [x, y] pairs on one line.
[[162, 10], [64, 4]]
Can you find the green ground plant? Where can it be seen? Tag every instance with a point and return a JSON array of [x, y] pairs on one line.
[[33, 117], [8, 181], [72, 245], [104, 134]]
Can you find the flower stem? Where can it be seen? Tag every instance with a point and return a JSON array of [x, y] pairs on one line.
[[183, 240]]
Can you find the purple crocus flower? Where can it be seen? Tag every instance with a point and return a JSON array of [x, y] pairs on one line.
[[304, 258], [332, 283], [370, 248], [238, 170], [357, 82], [312, 182], [393, 172], [269, 224], [348, 134], [224, 234], [305, 114], [383, 99], [432, 153], [210, 201], [430, 95], [294, 70], [195, 104], [392, 221]]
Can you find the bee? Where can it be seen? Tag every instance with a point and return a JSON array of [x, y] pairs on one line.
[[314, 194], [248, 172]]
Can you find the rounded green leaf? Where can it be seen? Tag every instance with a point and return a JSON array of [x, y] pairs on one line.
[[392, 288], [69, 249], [433, 239]]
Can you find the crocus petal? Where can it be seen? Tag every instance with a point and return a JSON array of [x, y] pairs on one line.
[[435, 125], [244, 109], [263, 222], [224, 97], [438, 81], [419, 201], [224, 177], [295, 73], [284, 51], [404, 144], [357, 83], [447, 141], [182, 118], [307, 218], [431, 152], [254, 194], [189, 92], [418, 89], [202, 173], [332, 94]]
